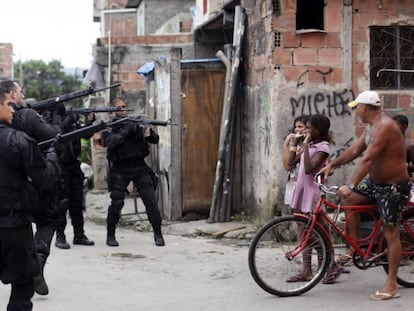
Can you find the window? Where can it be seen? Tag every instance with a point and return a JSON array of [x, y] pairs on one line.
[[392, 57], [276, 7], [309, 15]]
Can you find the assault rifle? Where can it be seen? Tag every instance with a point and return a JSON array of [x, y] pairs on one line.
[[89, 130], [83, 132], [49, 103]]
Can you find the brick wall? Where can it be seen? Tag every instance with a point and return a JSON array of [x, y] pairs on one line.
[[6, 61], [130, 53], [288, 73], [380, 13]]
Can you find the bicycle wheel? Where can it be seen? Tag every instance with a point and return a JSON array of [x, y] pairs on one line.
[[270, 261], [405, 275]]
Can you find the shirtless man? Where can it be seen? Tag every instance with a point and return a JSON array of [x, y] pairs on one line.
[[381, 176]]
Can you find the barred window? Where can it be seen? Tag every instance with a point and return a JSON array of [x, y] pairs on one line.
[[392, 57]]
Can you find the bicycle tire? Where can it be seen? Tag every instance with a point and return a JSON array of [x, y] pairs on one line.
[[269, 265], [405, 276]]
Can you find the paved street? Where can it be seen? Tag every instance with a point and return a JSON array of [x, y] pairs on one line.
[[187, 274]]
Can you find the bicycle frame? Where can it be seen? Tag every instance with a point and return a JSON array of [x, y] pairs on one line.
[[319, 217], [284, 246]]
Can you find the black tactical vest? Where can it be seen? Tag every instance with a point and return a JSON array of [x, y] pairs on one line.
[[17, 194], [134, 148]]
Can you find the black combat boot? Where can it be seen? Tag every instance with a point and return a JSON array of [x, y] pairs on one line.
[[159, 240], [82, 240], [61, 241], [19, 306], [110, 237], [40, 285], [79, 237]]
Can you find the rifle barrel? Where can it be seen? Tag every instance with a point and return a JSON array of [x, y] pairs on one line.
[[46, 104]]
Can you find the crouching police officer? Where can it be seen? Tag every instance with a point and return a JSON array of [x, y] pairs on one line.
[[23, 172], [127, 147]]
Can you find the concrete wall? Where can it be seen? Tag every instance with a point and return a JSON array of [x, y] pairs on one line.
[[159, 11], [286, 75]]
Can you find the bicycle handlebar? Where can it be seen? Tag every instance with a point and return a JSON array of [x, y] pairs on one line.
[[319, 179]]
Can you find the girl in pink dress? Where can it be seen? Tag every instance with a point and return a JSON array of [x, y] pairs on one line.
[[314, 155]]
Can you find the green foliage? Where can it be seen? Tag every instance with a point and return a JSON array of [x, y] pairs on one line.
[[86, 152], [242, 217], [45, 80]]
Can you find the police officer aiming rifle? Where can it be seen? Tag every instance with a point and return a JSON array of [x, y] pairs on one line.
[[127, 147]]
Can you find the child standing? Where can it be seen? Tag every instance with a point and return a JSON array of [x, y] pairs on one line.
[[314, 155], [293, 142]]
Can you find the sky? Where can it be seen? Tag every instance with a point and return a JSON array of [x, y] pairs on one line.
[[50, 30]]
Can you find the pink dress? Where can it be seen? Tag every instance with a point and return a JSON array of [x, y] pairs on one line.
[[307, 193]]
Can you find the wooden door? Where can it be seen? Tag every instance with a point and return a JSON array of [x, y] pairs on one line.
[[202, 92]]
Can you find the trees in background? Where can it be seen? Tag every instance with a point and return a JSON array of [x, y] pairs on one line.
[[42, 80]]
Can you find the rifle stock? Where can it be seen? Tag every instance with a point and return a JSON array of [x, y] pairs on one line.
[[49, 103]]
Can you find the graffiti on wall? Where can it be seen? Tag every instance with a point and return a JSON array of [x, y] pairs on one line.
[[341, 149], [299, 83], [330, 104]]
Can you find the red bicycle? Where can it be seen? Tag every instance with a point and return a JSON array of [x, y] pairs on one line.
[[277, 250]]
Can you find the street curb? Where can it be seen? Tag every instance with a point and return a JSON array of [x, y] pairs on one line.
[[97, 203]]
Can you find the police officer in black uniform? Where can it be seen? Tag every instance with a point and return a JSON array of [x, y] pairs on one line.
[[70, 187], [127, 146], [30, 122], [23, 171]]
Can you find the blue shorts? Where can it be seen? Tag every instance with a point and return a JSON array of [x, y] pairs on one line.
[[390, 198]]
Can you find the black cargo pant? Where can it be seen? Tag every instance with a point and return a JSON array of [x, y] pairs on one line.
[[70, 198], [18, 265], [145, 182], [45, 220]]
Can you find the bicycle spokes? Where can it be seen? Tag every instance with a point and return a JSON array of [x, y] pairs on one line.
[[285, 259]]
